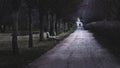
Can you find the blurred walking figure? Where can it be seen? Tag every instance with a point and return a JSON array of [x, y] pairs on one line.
[[79, 24]]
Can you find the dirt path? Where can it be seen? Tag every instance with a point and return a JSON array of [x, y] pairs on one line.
[[79, 50]]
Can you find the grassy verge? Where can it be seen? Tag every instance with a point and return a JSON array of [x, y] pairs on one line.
[[27, 55]]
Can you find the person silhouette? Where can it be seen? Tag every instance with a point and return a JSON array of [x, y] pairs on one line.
[[79, 24]]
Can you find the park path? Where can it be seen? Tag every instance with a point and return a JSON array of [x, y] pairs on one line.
[[79, 50]]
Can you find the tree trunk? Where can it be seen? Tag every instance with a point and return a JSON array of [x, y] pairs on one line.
[[49, 17], [45, 25], [68, 26], [41, 24], [30, 26], [14, 35], [55, 22], [60, 24], [64, 26], [52, 25], [59, 30], [56, 27]]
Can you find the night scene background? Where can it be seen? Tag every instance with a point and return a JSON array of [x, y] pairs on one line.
[[33, 31]]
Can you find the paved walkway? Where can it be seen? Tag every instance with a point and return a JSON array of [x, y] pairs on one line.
[[79, 50]]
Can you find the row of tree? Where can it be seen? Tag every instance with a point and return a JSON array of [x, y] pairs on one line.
[[54, 16]]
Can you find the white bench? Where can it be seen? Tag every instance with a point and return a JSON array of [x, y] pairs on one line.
[[51, 37]]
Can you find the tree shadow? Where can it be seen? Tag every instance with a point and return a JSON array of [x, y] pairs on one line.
[[110, 43]]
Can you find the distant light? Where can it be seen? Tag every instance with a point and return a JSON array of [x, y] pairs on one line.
[[79, 23]]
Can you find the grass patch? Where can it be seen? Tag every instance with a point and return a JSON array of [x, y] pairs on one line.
[[27, 55]]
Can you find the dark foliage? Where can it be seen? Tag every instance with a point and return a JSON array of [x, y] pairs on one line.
[[108, 34], [93, 10]]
